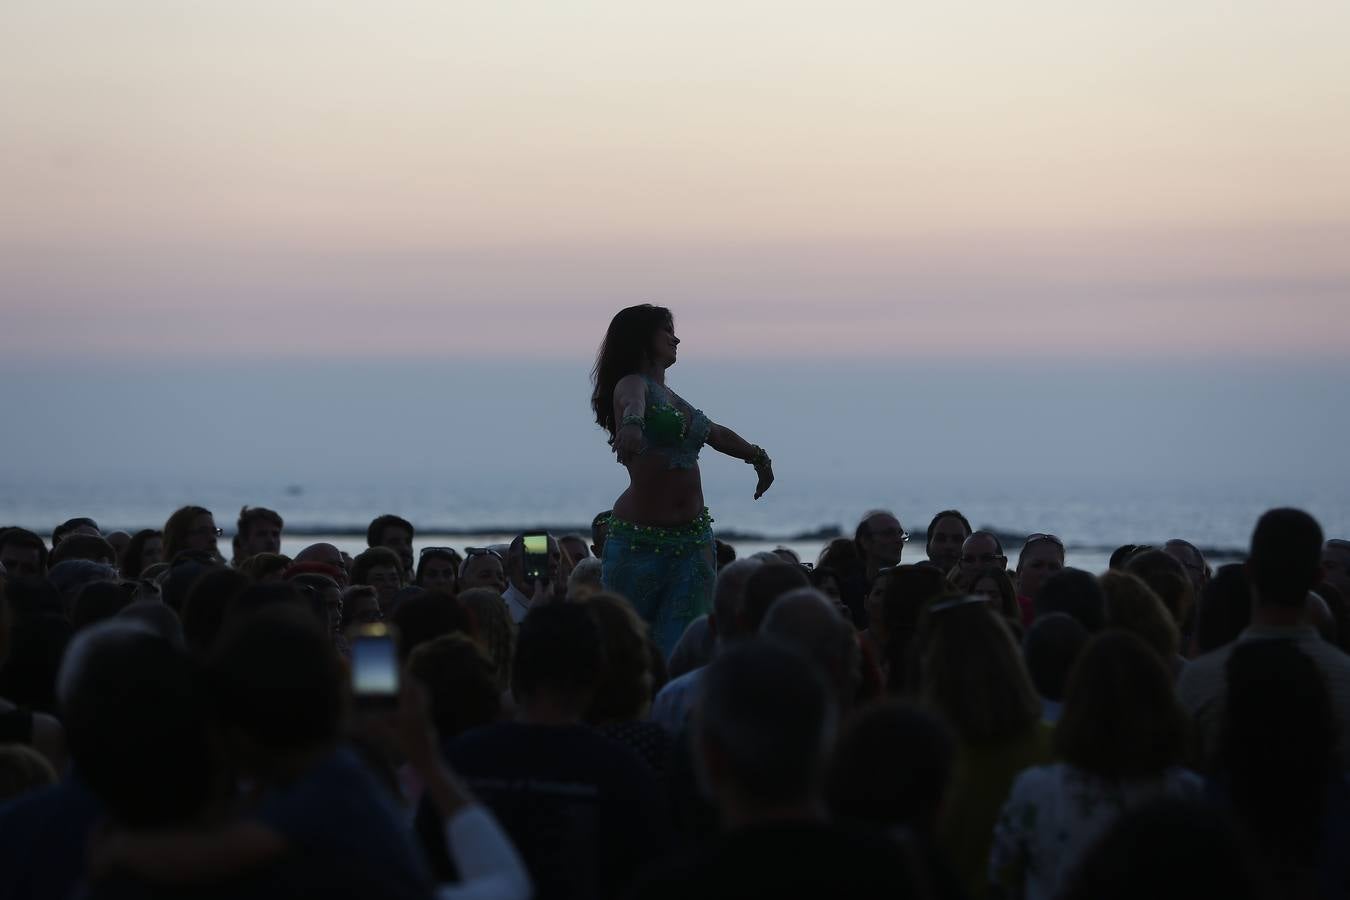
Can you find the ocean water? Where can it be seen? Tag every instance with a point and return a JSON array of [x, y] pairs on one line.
[[1092, 516]]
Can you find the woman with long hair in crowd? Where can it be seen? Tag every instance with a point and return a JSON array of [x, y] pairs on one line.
[[973, 676], [1121, 741], [191, 528], [659, 553]]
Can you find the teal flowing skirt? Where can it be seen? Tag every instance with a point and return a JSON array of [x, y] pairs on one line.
[[667, 574]]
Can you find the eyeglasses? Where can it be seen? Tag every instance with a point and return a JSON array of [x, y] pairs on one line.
[[214, 532], [901, 533]]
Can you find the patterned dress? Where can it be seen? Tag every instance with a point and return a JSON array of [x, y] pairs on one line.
[[1055, 812]]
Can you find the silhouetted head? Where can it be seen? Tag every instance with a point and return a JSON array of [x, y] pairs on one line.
[[559, 657], [1050, 648], [22, 553], [880, 538], [1121, 717], [631, 342], [1225, 608], [1286, 557], [257, 531], [275, 684], [1041, 556], [624, 690], [461, 683], [1167, 578], [982, 548], [891, 768], [145, 549], [764, 586], [807, 621], [763, 726], [190, 528], [92, 547], [395, 533], [972, 672], [78, 525], [136, 725], [946, 533], [1074, 592]]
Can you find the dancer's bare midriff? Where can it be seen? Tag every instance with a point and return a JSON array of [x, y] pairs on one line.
[[658, 494]]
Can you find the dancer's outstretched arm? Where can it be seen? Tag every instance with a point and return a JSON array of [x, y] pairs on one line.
[[724, 440]]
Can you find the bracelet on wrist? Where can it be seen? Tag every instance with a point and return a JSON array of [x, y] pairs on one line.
[[637, 421], [760, 457]]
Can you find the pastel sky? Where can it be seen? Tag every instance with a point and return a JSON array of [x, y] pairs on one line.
[[418, 177]]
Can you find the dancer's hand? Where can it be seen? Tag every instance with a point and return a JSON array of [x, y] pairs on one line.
[[628, 443], [765, 473]]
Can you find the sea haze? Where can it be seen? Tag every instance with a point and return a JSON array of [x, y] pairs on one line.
[[1100, 453]]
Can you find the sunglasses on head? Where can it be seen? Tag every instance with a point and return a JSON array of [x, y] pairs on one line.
[[1042, 536], [471, 552]]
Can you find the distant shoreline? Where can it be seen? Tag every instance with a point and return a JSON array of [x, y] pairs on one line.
[[824, 534]]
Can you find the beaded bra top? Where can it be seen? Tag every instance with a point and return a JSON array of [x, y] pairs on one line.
[[669, 432]]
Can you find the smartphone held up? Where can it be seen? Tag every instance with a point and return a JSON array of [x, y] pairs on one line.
[[374, 666]]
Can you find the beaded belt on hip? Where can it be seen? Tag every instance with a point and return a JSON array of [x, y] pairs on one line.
[[679, 537]]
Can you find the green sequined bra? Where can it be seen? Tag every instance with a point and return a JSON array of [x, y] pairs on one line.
[[668, 433]]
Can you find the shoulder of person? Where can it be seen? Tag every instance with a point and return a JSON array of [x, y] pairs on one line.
[[1034, 780], [1197, 677]]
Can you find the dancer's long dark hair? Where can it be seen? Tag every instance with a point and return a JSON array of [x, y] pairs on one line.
[[624, 350]]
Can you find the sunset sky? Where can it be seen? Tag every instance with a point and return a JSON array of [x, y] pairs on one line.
[[1025, 179], [1008, 237]]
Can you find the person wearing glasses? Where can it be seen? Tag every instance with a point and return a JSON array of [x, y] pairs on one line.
[[659, 553], [191, 528], [981, 549], [881, 542]]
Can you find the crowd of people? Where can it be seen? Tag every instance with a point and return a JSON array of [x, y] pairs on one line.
[[176, 723]]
